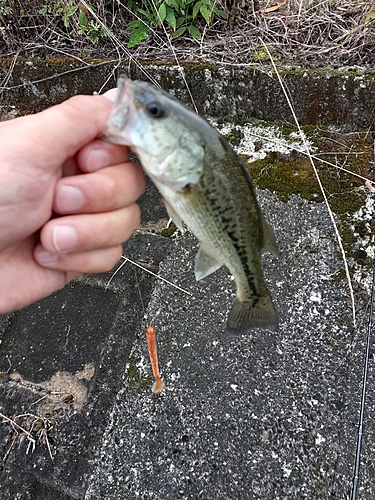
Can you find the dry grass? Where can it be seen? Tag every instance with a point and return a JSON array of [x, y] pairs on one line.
[[35, 429], [308, 33]]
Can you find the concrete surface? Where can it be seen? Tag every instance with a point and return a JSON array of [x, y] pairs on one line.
[[75, 342], [263, 416], [267, 415], [343, 97]]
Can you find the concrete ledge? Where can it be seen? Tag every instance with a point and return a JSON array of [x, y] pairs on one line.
[[343, 98]]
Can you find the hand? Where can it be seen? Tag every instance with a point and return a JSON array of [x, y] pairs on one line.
[[67, 199]]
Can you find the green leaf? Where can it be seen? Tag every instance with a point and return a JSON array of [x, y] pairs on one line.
[[138, 34], [65, 20], [82, 20], [136, 24], [205, 13], [179, 32], [179, 21], [174, 4], [43, 10], [69, 10], [369, 16], [220, 13], [194, 32], [162, 12], [170, 18], [196, 8], [150, 17]]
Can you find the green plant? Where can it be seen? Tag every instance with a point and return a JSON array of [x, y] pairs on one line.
[[178, 15], [4, 8], [370, 16], [73, 16], [91, 29], [60, 8]]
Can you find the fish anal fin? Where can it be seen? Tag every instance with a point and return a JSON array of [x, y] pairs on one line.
[[174, 216], [205, 264], [252, 314], [269, 241]]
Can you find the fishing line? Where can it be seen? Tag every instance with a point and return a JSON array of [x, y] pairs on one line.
[[126, 259], [365, 373], [308, 154]]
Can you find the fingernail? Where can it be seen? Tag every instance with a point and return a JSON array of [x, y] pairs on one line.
[[64, 238], [68, 198], [44, 257], [110, 94], [97, 158]]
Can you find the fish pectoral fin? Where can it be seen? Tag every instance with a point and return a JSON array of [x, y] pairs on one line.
[[252, 314], [269, 241], [205, 264], [174, 216]]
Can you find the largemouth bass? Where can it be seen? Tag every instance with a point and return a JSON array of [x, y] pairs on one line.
[[205, 185]]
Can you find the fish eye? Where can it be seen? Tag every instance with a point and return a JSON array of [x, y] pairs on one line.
[[154, 109]]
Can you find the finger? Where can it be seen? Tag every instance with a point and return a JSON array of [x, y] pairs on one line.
[[98, 261], [95, 155], [107, 189], [99, 154], [77, 120], [86, 232], [69, 125], [111, 94]]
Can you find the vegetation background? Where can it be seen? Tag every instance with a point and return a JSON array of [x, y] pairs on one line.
[[310, 33]]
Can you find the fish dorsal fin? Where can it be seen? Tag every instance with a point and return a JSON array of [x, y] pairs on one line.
[[269, 242], [174, 216], [205, 264]]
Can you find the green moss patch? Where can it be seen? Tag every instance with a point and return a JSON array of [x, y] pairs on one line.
[[134, 374], [293, 174]]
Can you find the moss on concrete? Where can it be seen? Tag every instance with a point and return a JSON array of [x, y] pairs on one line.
[[135, 376], [228, 93], [293, 174]]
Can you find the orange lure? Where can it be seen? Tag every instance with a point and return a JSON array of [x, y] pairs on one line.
[[158, 385]]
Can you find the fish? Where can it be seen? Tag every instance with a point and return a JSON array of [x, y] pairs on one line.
[[206, 186]]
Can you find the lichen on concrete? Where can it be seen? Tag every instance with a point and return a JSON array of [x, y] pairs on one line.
[[277, 159]]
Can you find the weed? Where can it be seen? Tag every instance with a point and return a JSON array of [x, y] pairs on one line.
[[178, 15]]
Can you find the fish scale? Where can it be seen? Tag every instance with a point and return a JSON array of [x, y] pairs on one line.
[[229, 213], [204, 185]]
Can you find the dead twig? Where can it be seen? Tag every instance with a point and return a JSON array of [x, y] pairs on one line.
[[34, 427]]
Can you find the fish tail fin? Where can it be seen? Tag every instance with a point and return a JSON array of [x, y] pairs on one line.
[[252, 314]]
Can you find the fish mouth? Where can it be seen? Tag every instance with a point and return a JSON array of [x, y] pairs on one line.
[[119, 120]]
